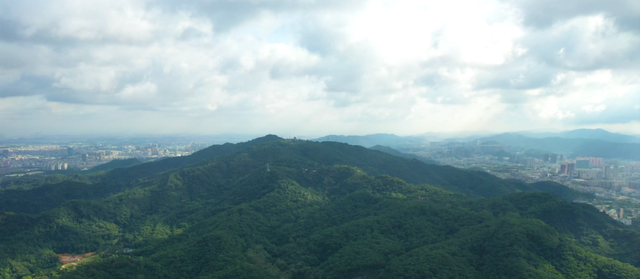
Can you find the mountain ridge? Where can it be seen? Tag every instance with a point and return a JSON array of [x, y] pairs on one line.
[[574, 147], [319, 210], [595, 134]]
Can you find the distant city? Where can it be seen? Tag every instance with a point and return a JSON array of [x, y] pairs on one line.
[[608, 179], [32, 156]]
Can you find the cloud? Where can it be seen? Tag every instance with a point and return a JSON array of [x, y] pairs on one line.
[[546, 13], [593, 108], [317, 66]]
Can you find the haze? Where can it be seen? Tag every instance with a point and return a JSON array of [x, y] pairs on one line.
[[318, 67]]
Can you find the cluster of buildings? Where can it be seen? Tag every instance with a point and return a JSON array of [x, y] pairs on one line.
[[55, 166], [31, 159], [612, 175], [620, 215], [610, 180]]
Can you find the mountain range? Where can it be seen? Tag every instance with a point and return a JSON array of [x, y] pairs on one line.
[[573, 147], [276, 208], [593, 134], [373, 140], [574, 143]]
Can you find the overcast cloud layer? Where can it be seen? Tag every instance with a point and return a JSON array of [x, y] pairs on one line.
[[317, 67]]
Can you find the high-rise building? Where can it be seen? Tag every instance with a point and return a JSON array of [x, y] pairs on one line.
[[514, 158], [571, 169], [545, 157], [586, 174], [609, 172], [606, 184], [582, 164], [4, 153], [490, 148], [529, 162], [595, 162], [553, 158], [567, 168], [70, 151], [461, 151]]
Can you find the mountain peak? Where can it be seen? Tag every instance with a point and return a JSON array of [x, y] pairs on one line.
[[267, 138]]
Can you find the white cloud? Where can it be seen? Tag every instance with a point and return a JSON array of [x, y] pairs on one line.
[[594, 108], [330, 67]]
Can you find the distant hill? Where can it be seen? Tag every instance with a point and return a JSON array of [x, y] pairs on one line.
[[461, 136], [594, 134], [558, 145], [574, 147], [394, 152], [629, 151], [373, 140]]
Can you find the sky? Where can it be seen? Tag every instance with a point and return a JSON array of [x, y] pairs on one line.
[[312, 68]]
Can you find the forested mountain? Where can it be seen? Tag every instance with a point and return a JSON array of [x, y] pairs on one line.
[[275, 208]]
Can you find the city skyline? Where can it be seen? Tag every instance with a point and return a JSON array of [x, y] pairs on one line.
[[317, 68]]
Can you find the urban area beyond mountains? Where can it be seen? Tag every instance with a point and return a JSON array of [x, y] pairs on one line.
[[587, 160], [313, 68]]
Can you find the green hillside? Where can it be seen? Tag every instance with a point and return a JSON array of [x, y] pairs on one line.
[[394, 152], [114, 164], [322, 210]]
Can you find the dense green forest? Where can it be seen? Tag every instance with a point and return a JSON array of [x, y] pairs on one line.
[[274, 208]]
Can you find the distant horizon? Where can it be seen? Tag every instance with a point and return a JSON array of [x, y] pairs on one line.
[[460, 134]]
